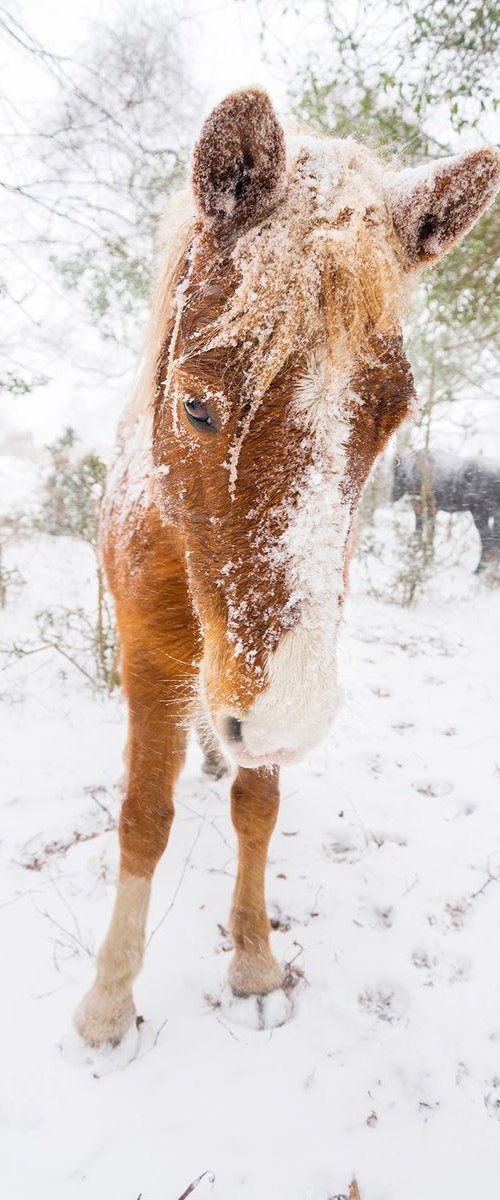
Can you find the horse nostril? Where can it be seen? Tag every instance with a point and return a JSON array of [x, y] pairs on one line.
[[233, 729]]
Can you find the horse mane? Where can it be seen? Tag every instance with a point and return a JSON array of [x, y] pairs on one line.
[[174, 237]]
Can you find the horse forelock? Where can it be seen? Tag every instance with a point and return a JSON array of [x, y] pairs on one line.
[[324, 262]]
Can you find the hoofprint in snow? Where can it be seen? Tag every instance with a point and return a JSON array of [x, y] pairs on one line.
[[383, 888]]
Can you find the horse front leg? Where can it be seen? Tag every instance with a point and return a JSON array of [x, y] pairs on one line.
[[156, 749], [486, 537], [214, 763], [254, 810]]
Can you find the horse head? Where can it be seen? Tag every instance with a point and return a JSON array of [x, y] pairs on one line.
[[280, 377]]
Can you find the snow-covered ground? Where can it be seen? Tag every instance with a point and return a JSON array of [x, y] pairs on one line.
[[383, 885]]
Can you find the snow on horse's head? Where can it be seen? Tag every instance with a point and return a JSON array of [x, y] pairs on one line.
[[279, 374]]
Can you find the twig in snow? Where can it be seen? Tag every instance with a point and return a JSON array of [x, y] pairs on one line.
[[293, 973], [187, 861], [93, 790], [490, 878], [159, 1031], [22, 652], [194, 1184], [67, 932], [410, 887], [39, 858], [486, 884], [15, 899], [228, 1030]]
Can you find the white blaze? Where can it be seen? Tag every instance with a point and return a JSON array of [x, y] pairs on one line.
[[302, 692]]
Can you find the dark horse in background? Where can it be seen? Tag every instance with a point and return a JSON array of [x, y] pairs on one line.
[[440, 481]]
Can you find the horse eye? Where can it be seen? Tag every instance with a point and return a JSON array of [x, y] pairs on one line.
[[198, 414]]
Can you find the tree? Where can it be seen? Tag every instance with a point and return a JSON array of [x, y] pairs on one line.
[[118, 145], [73, 491], [84, 185]]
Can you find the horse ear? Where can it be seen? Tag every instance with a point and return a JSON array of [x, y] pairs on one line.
[[239, 161], [434, 206]]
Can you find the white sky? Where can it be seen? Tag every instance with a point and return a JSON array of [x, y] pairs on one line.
[[222, 38]]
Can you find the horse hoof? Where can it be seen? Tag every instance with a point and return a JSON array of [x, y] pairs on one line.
[[256, 1012], [100, 1059], [103, 1019], [214, 765]]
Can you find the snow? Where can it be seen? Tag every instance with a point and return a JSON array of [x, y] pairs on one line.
[[19, 484], [383, 890]]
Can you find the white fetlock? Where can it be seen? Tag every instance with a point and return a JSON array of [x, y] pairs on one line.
[[255, 974]]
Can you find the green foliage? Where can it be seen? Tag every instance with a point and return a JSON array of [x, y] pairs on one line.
[[73, 491], [405, 66], [465, 289], [346, 104], [417, 552], [459, 45], [17, 385], [85, 642], [114, 283], [13, 525]]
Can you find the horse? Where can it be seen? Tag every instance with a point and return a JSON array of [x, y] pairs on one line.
[[273, 375], [436, 481]]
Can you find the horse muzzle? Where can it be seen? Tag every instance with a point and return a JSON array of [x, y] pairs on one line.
[[256, 740]]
